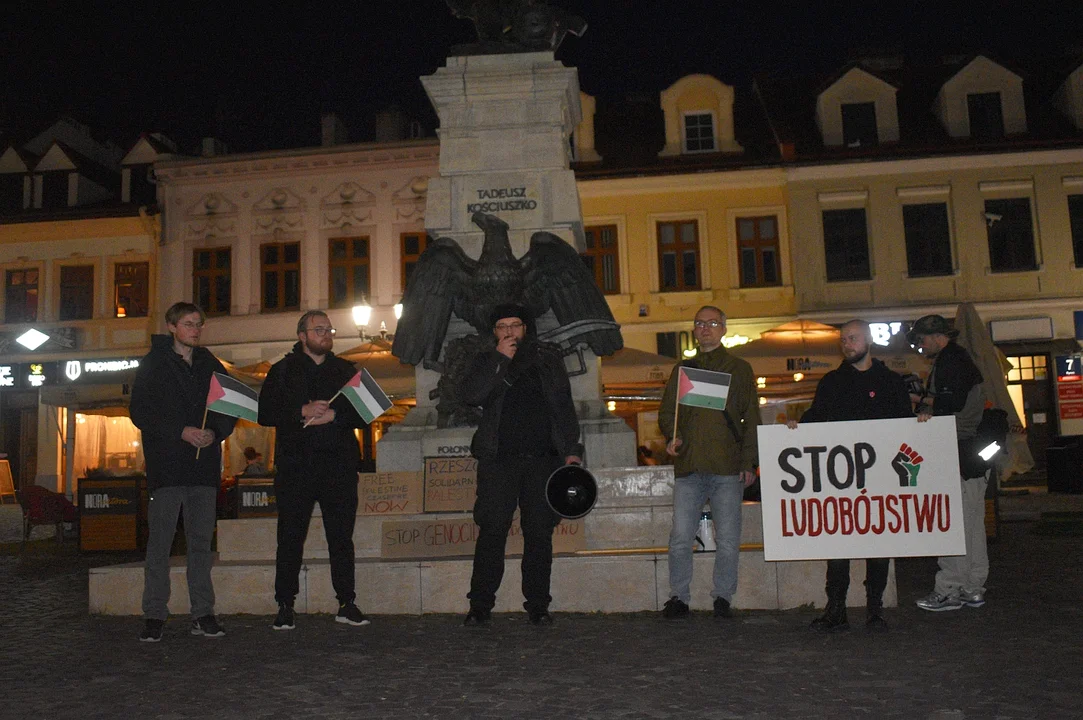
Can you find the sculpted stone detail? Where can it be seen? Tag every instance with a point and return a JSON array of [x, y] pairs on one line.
[[508, 26]]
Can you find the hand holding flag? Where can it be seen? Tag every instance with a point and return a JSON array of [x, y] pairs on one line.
[[366, 396], [227, 396]]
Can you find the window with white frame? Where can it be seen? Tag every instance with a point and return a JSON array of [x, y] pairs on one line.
[[699, 132]]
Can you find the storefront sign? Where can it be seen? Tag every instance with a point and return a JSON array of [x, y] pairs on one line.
[[1070, 392], [883, 332], [256, 497], [107, 370], [390, 493], [805, 363], [878, 488], [450, 484], [27, 376]]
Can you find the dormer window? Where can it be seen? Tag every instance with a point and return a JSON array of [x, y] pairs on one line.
[[986, 116], [983, 101], [54, 189], [859, 125], [699, 132], [698, 112]]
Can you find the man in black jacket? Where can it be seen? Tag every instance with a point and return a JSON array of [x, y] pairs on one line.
[[527, 430], [955, 388], [183, 458], [316, 458], [861, 388]]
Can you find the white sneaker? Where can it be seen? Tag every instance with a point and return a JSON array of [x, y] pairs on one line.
[[935, 602]]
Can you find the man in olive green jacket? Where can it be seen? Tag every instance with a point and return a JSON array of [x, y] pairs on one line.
[[715, 459]]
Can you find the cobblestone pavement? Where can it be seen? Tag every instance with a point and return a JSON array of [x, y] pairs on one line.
[[1020, 656]]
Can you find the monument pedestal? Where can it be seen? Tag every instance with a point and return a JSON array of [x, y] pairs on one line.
[[505, 124]]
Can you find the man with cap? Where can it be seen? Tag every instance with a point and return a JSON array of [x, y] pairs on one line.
[[861, 388], [955, 388], [528, 429]]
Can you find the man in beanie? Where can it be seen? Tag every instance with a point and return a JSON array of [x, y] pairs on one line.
[[955, 388], [527, 430]]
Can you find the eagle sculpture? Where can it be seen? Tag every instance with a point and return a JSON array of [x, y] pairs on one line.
[[550, 276]]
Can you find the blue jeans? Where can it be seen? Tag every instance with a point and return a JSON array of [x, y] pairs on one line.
[[689, 495]]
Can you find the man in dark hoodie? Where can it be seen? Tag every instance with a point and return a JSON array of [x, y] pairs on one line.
[[955, 388], [861, 388], [316, 458], [527, 430], [183, 457]]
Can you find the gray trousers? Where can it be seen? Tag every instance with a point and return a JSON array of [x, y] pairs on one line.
[[199, 504], [968, 572]]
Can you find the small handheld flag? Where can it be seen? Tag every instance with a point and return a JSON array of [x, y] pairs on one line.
[[703, 388], [365, 395], [232, 397], [367, 398]]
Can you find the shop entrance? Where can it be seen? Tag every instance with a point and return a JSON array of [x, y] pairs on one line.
[[19, 436], [1030, 387]]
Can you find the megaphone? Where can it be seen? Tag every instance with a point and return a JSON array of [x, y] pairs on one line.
[[571, 491]]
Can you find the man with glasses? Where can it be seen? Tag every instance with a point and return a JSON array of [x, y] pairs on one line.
[[183, 460], [528, 429], [714, 459], [316, 459]]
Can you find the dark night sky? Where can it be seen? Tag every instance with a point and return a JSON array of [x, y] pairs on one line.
[[259, 76]]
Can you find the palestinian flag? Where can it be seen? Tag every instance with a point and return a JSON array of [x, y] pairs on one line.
[[703, 388], [365, 395], [232, 397]]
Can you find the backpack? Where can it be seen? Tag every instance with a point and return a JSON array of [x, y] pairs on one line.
[[993, 428]]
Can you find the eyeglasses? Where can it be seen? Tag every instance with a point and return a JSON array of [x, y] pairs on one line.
[[322, 330], [503, 327], [713, 324], [190, 325]]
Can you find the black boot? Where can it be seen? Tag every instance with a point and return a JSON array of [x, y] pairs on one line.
[[834, 618], [874, 616]]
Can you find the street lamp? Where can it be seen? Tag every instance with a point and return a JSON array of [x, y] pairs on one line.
[[361, 315]]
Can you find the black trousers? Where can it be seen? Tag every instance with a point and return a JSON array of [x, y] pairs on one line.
[[838, 579], [504, 483], [296, 497]]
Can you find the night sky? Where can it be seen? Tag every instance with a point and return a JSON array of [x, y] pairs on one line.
[[259, 76]]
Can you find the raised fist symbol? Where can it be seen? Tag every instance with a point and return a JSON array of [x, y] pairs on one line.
[[906, 465]]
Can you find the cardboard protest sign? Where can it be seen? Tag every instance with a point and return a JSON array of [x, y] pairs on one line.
[[390, 493], [875, 488], [450, 484], [456, 536]]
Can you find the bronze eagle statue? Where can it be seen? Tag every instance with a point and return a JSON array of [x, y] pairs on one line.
[[518, 24], [550, 276]]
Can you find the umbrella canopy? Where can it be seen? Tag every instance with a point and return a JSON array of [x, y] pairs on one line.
[[800, 346], [629, 366], [974, 336]]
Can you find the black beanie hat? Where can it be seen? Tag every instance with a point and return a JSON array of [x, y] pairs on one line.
[[515, 310]]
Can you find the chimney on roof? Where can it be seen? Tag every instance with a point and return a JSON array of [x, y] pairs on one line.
[[392, 124], [332, 130], [213, 147]]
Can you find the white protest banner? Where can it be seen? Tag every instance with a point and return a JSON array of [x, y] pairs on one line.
[[871, 488]]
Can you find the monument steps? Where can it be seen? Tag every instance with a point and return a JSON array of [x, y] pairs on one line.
[[621, 565]]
